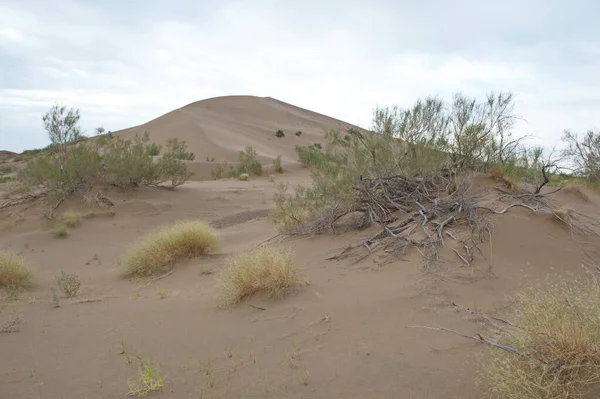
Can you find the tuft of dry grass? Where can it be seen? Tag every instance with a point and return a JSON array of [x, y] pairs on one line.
[[61, 232], [243, 176], [157, 252], [557, 328], [71, 218], [13, 270], [267, 270]]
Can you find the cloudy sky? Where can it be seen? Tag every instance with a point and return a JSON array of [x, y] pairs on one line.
[[123, 63]]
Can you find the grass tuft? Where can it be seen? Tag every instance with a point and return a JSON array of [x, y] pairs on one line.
[[71, 218], [558, 328], [157, 252], [13, 270], [61, 232], [149, 380], [243, 177], [265, 270]]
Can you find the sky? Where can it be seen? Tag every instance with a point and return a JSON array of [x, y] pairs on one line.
[[123, 63]]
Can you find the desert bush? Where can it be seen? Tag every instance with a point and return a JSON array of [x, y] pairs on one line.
[[243, 177], [265, 270], [223, 170], [279, 133], [249, 162], [71, 218], [149, 380], [557, 333], [153, 149], [68, 283], [178, 149], [311, 155], [61, 232], [158, 251], [277, 166], [13, 270], [5, 169], [584, 153], [298, 133]]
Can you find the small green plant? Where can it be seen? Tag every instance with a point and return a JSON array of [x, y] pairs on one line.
[[55, 302], [61, 232], [158, 251], [271, 178], [298, 133], [149, 380], [13, 270], [162, 294], [267, 270], [277, 164], [243, 177], [6, 169], [68, 283], [279, 133]]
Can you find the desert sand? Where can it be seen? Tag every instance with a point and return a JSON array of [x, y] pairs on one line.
[[350, 330]]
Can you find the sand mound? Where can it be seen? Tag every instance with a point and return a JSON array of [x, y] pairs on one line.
[[221, 127]]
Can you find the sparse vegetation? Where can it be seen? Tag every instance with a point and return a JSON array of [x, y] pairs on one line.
[[13, 270], [72, 166], [584, 153], [149, 380], [265, 270], [71, 218], [271, 178], [279, 133], [154, 150], [243, 177], [157, 252], [61, 232], [249, 162], [68, 283], [223, 170], [556, 331], [277, 166], [298, 133]]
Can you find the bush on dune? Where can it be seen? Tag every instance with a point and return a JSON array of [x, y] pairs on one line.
[[13, 270], [265, 270], [74, 164], [557, 329], [158, 251]]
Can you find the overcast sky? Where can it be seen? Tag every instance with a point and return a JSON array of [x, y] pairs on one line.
[[123, 63]]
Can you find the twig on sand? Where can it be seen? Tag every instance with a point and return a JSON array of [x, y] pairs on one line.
[[480, 338], [256, 307], [164, 275]]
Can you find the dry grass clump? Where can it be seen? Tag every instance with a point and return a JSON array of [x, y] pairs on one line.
[[13, 270], [158, 251], [265, 270], [557, 329], [243, 177], [71, 218]]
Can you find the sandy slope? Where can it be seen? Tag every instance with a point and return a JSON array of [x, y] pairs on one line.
[[221, 127], [345, 333]]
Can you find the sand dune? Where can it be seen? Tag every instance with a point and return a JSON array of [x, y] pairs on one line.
[[221, 127], [345, 332]]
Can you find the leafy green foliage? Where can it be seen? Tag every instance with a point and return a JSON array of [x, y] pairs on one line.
[[584, 153], [298, 133], [277, 165], [279, 133]]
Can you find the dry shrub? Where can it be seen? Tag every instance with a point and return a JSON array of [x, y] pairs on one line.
[[265, 270], [13, 270], [69, 284], [557, 327], [71, 218], [243, 177], [158, 251]]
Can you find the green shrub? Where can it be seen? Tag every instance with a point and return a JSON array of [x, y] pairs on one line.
[[61, 232], [249, 163], [178, 150], [223, 170], [298, 133], [6, 169], [279, 133], [277, 164], [158, 251], [243, 177], [154, 150]]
